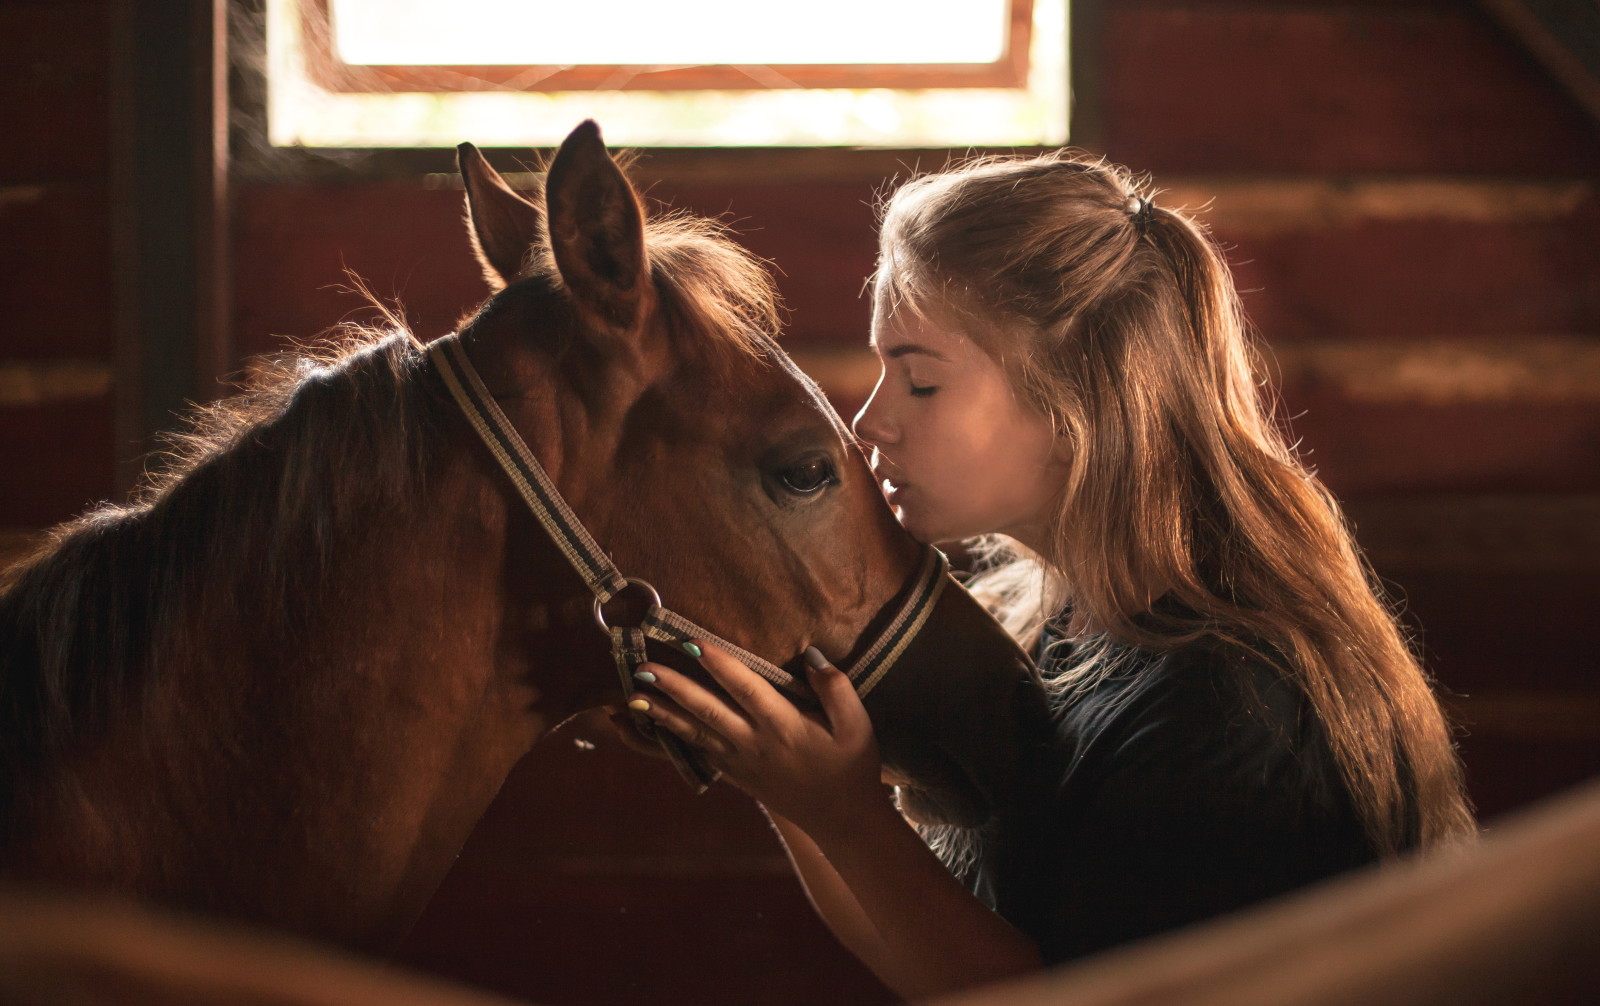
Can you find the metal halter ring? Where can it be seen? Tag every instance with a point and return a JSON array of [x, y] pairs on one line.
[[633, 581]]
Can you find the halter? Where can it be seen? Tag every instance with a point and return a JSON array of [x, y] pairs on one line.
[[605, 581]]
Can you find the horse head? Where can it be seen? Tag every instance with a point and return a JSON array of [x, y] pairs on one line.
[[633, 355]]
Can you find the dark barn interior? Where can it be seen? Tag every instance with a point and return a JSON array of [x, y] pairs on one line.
[[1407, 192]]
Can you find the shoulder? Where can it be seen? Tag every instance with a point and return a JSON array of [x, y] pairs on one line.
[[1207, 720]]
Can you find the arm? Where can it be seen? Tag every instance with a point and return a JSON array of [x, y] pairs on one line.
[[879, 887], [829, 894], [925, 933]]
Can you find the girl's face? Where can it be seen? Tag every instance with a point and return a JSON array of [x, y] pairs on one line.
[[957, 451]]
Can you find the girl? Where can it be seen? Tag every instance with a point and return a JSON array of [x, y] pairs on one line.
[[1066, 372]]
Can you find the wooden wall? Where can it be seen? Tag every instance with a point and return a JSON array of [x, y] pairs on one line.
[[56, 315], [1410, 204]]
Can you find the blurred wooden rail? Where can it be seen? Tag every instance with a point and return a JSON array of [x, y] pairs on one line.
[[1514, 920]]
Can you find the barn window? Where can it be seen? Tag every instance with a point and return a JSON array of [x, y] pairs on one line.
[[422, 73]]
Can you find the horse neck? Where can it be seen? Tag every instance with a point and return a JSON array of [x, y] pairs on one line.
[[322, 783], [964, 712]]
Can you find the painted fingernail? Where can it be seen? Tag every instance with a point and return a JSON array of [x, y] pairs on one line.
[[814, 659], [691, 649], [646, 676], [639, 705]]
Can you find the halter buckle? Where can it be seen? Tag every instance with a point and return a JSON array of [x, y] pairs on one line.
[[632, 581]]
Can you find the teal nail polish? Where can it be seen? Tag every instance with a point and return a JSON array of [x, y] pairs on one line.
[[644, 676], [691, 649]]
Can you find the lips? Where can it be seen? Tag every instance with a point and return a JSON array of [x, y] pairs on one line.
[[889, 484], [889, 481]]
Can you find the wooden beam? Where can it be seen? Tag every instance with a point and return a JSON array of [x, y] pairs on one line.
[[1564, 36], [24, 383], [169, 193], [1086, 75]]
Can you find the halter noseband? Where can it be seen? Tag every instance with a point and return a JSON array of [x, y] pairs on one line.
[[605, 581]]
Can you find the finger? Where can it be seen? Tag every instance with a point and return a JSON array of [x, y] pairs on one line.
[[670, 716], [753, 693], [627, 731], [847, 717], [694, 701]]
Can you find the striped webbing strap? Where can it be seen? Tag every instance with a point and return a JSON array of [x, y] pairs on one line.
[[605, 581]]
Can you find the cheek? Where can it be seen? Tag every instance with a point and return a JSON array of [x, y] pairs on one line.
[[955, 457]]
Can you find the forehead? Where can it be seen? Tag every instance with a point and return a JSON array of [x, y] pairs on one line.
[[906, 329]]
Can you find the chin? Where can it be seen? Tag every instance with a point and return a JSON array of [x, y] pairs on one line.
[[925, 533]]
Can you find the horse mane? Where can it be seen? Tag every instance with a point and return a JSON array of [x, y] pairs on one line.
[[238, 525], [714, 286]]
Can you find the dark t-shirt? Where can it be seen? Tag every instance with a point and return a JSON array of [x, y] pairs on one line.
[[1188, 784]]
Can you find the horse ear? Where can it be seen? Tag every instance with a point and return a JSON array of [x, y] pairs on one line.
[[503, 225], [597, 230]]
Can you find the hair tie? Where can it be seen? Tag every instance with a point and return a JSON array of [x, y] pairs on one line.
[[1139, 210]]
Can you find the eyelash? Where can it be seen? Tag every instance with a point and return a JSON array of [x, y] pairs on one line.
[[923, 392]]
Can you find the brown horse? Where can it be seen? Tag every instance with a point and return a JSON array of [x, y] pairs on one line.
[[284, 682]]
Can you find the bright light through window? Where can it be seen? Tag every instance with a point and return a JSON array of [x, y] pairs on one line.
[[653, 32], [654, 68]]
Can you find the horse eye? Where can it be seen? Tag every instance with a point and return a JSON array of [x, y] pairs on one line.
[[807, 477]]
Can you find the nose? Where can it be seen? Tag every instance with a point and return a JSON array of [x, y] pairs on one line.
[[872, 424]]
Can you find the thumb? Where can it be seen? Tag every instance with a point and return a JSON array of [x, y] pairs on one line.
[[841, 704], [627, 731]]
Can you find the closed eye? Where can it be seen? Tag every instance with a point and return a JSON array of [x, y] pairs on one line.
[[924, 391]]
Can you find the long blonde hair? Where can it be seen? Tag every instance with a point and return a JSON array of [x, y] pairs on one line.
[[1186, 515]]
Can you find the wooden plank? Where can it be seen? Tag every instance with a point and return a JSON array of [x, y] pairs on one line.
[[1502, 631], [1431, 256], [1256, 87], [1239, 205], [294, 242], [1508, 771], [1533, 370], [1422, 279], [55, 270], [58, 92], [292, 246], [1481, 534], [31, 384], [1567, 717], [1371, 449], [58, 460]]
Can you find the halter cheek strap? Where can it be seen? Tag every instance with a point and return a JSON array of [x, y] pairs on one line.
[[605, 581]]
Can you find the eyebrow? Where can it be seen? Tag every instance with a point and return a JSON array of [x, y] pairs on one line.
[[909, 349]]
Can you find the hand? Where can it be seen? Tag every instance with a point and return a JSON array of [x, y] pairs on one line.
[[624, 725], [815, 769]]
